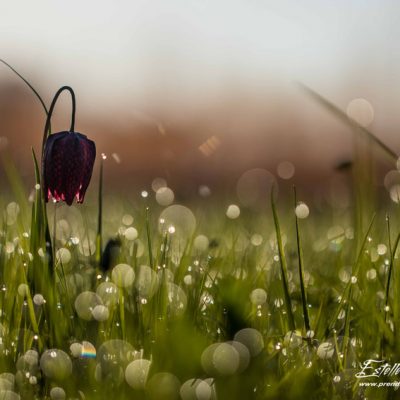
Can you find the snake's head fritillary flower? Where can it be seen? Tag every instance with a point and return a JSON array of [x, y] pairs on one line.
[[68, 160]]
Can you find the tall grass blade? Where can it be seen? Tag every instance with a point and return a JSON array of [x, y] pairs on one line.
[[27, 83], [149, 237], [99, 237], [301, 269], [347, 291], [283, 265]]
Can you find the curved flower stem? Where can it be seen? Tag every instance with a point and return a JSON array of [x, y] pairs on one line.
[[51, 109]]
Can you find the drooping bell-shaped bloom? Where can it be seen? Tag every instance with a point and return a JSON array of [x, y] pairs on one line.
[[67, 166]]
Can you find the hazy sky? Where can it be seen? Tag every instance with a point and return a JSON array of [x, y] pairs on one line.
[[177, 51]]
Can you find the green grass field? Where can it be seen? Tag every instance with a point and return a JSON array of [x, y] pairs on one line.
[[278, 300]]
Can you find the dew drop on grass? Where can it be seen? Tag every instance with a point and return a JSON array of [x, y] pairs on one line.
[[177, 300], [88, 350], [146, 282], [225, 359], [144, 194], [207, 359], [292, 339], [85, 302], [23, 290], [394, 193], [344, 275], [63, 230], [74, 240], [188, 280], [131, 233], [163, 386], [123, 275], [371, 274], [158, 183], [256, 239], [381, 249], [392, 178], [12, 210], [9, 248], [87, 247], [252, 339], [76, 349], [278, 302], [9, 395], [164, 196], [201, 242], [100, 313], [115, 352], [302, 211], [6, 384], [325, 350], [233, 211], [57, 393], [56, 364], [108, 292], [127, 219], [258, 296], [136, 373], [310, 334], [181, 218], [63, 256], [195, 389], [244, 355]]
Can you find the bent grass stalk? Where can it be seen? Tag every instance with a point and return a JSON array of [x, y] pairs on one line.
[[347, 120]]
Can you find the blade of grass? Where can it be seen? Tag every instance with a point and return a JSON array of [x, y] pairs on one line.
[[99, 237], [27, 83], [149, 237], [346, 292], [301, 270], [347, 120], [283, 265]]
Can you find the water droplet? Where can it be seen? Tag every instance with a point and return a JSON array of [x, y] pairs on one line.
[[258, 296], [136, 373], [302, 211], [233, 211]]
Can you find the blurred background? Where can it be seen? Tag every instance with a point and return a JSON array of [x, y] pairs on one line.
[[199, 92]]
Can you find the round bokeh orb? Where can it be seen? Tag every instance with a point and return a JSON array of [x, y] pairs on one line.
[[254, 187]]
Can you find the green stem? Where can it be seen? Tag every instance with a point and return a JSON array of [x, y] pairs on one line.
[[99, 239], [282, 260], [51, 109], [301, 272], [149, 237]]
